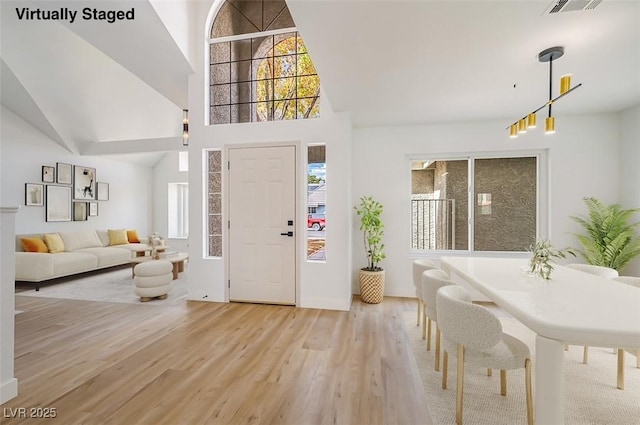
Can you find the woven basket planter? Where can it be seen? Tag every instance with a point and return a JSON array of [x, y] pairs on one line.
[[371, 286]]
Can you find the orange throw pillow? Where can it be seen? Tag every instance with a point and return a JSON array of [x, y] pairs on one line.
[[33, 245], [132, 236]]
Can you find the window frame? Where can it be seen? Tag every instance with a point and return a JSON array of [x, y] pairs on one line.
[[253, 103], [306, 201], [542, 197], [207, 213]]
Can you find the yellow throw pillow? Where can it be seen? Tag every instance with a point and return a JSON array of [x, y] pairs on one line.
[[33, 245], [132, 236], [117, 237], [54, 242]]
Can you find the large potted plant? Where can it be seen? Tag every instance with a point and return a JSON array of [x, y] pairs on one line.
[[371, 277], [610, 240]]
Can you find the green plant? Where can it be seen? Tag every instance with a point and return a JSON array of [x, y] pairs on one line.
[[542, 253], [610, 240], [372, 227]]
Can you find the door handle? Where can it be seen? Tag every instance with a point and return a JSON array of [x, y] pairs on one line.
[[289, 233]]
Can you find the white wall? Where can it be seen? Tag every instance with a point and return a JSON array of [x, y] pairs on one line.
[[322, 285], [583, 160], [175, 16], [25, 150], [630, 171], [8, 382], [166, 171]]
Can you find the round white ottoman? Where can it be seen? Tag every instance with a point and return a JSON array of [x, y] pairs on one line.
[[153, 279]]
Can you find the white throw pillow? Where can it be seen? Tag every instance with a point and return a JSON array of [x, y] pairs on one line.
[[104, 237], [79, 240]]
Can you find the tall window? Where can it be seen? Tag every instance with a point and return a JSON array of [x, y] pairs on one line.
[[499, 194], [260, 69], [214, 203], [178, 214], [316, 202]]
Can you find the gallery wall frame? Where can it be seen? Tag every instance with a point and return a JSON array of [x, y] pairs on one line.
[[80, 211], [64, 173], [58, 203], [84, 183], [103, 191], [34, 194], [48, 174], [93, 209]]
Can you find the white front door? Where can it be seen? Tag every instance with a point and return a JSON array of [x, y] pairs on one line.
[[262, 263]]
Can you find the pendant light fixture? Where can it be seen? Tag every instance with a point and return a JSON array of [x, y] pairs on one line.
[[529, 121], [185, 127]]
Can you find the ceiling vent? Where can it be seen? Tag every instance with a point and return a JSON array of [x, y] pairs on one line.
[[558, 6]]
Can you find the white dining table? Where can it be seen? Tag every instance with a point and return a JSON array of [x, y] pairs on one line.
[[573, 307]]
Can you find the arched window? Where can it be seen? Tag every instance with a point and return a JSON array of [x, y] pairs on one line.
[[260, 69]]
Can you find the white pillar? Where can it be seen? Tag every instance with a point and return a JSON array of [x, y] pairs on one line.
[[8, 382]]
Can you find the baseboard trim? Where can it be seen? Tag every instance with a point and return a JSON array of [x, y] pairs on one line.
[[326, 303], [8, 390]]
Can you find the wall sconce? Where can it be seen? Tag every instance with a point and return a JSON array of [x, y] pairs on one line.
[[529, 121], [185, 127]]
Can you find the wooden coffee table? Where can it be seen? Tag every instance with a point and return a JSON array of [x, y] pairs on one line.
[[177, 260]]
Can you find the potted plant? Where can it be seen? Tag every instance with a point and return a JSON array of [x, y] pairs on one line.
[[610, 240], [542, 252], [371, 277]]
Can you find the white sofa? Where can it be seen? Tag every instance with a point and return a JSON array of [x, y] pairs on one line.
[[83, 251]]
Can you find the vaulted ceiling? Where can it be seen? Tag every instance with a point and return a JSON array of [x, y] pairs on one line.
[[123, 85], [89, 83], [408, 62]]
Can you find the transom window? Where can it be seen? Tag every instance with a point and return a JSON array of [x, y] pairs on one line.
[[260, 69]]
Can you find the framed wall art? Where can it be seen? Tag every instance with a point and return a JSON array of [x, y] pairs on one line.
[[79, 211], [58, 203], [48, 174], [103, 191], [34, 194], [63, 173], [93, 209], [84, 183]]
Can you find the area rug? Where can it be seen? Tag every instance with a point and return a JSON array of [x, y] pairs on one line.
[[591, 396], [114, 286]]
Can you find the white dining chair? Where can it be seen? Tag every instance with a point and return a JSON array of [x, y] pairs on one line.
[[633, 281], [473, 334], [629, 280], [420, 266], [432, 280], [604, 272]]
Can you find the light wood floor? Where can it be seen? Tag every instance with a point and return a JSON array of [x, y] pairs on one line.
[[213, 363]]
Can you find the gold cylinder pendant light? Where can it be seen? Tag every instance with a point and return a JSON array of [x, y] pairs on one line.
[[565, 83], [513, 131], [522, 126], [549, 125], [529, 121]]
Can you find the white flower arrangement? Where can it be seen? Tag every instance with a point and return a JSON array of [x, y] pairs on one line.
[[155, 240], [542, 253]]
